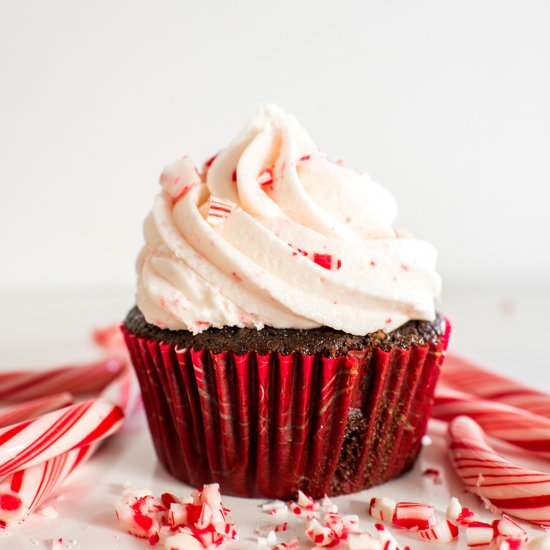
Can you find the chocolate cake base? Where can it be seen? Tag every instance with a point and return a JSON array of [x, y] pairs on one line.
[[268, 412], [324, 340]]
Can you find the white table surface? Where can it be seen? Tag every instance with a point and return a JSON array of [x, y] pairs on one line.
[[504, 328]]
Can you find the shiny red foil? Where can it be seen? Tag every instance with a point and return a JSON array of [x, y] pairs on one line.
[[268, 425]]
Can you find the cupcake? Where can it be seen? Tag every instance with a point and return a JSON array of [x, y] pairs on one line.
[[284, 333]]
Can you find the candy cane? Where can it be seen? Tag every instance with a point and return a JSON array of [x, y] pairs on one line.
[[465, 376], [30, 409], [524, 429], [22, 492], [30, 442], [17, 386], [514, 489]]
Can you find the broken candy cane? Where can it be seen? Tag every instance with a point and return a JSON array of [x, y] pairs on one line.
[[445, 531], [479, 533], [326, 261], [459, 514], [321, 535], [18, 386], [33, 441], [507, 528], [24, 491], [465, 376], [514, 489], [413, 515], [202, 521], [516, 426], [218, 210], [382, 509], [36, 407]]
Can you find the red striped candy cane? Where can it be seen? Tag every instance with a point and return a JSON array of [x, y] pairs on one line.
[[514, 489], [516, 426], [33, 441], [22, 492], [465, 376], [18, 386]]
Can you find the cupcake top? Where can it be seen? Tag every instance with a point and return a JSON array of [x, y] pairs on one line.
[[273, 233]]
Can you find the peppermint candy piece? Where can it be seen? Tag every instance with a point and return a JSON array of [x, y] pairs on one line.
[[382, 509], [479, 533], [178, 178], [218, 210], [19, 386], [413, 515], [445, 531]]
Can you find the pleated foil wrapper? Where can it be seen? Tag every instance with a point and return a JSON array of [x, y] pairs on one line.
[[268, 425]]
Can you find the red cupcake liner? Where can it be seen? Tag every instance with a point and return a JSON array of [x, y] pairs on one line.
[[268, 425]]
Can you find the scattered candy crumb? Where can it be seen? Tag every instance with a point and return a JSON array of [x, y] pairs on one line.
[[434, 473], [179, 524]]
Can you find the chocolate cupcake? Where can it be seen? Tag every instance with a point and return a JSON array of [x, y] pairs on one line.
[[285, 335]]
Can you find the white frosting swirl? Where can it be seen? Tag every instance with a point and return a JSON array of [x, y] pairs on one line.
[[273, 233]]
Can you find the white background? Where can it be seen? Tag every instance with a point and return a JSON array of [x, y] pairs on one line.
[[445, 103]]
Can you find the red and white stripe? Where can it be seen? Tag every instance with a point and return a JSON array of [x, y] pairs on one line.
[[218, 210], [382, 509], [445, 531], [22, 492], [326, 261], [463, 375], [516, 426], [413, 515], [30, 409], [19, 386], [33, 441], [516, 490]]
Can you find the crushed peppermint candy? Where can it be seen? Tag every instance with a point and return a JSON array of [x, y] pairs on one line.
[[382, 509], [413, 515], [326, 261], [218, 210], [179, 524], [445, 531], [265, 178]]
